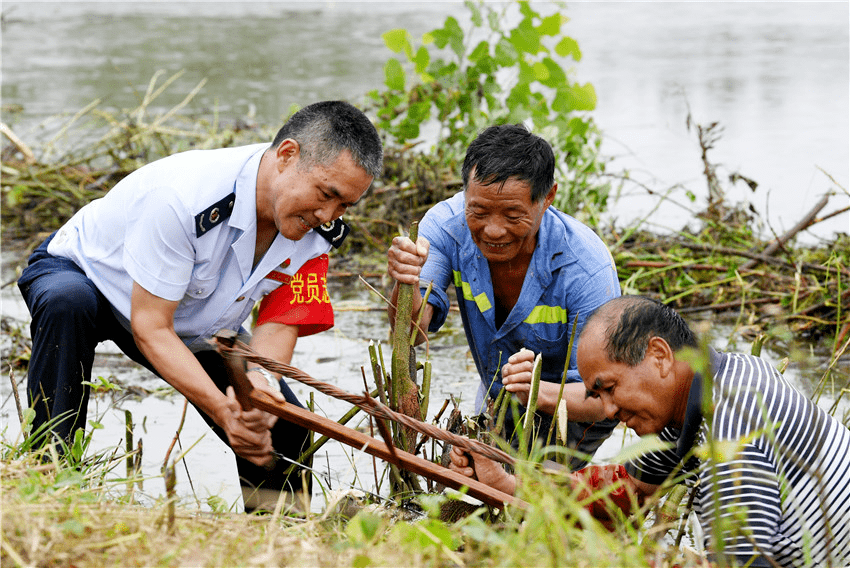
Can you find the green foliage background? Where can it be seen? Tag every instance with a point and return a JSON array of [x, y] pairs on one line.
[[509, 67]]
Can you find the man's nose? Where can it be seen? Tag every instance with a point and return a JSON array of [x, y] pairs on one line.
[[326, 213], [494, 230], [608, 407]]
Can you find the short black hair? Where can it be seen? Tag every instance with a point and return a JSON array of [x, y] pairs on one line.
[[510, 151], [629, 322], [325, 129]]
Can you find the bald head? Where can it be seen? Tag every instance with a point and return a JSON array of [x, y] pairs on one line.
[[625, 325]]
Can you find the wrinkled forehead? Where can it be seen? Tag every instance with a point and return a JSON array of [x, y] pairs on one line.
[[591, 351]]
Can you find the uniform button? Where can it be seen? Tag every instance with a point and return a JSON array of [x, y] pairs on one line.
[[240, 298], [198, 292]]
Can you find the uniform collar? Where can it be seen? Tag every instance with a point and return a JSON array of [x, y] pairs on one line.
[[244, 214], [244, 217], [693, 412]]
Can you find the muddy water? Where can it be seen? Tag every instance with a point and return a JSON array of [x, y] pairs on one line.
[[335, 356]]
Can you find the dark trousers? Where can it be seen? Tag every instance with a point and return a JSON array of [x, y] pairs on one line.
[[70, 317]]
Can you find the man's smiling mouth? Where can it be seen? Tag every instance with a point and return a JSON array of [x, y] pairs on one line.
[[306, 225]]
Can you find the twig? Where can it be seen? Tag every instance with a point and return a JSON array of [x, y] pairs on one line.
[[17, 398], [831, 215], [760, 257], [660, 264], [804, 223], [725, 305], [176, 435], [29, 157]]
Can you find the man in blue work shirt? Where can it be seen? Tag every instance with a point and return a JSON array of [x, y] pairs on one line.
[[523, 271], [184, 247]]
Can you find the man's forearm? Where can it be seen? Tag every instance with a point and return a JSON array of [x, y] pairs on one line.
[[275, 341], [179, 367], [579, 407]]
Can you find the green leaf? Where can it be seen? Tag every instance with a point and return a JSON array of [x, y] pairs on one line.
[[568, 46], [518, 96], [421, 60], [69, 478], [525, 39], [363, 528], [475, 14], [394, 75], [397, 40], [525, 10], [505, 53], [541, 72], [408, 130], [449, 34], [493, 21], [555, 76], [439, 531], [526, 74], [575, 97], [456, 38], [481, 50], [483, 533], [646, 445], [551, 25], [419, 112]]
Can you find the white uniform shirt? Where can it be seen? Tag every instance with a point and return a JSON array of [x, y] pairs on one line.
[[144, 230]]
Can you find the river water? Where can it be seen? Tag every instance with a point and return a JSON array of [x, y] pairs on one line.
[[775, 74]]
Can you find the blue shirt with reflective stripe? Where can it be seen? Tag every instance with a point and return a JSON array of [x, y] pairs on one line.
[[570, 275]]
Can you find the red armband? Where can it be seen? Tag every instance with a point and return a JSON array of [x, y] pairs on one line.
[[304, 301], [600, 478]]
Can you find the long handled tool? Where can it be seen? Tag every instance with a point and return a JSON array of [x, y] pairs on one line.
[[249, 397]]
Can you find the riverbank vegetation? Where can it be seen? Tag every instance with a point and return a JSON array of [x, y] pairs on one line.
[[723, 264]]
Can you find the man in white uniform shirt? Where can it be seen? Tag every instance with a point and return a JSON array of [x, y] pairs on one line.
[[182, 248]]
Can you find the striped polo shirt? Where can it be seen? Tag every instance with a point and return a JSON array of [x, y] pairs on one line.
[[780, 480]]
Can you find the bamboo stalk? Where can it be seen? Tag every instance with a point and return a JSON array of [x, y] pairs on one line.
[[563, 381], [405, 394], [531, 408]]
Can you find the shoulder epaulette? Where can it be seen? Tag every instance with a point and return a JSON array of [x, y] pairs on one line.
[[214, 214], [335, 231]]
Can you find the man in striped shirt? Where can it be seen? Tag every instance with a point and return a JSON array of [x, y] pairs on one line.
[[773, 468]]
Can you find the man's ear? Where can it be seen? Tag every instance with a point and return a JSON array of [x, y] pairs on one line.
[[287, 152], [550, 197], [661, 354]]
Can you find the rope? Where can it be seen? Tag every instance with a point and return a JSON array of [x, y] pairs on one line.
[[366, 403]]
